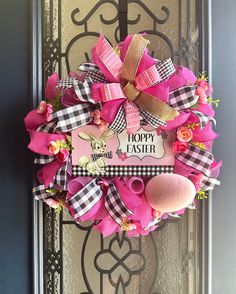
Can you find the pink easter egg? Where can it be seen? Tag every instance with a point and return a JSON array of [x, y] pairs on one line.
[[169, 192]]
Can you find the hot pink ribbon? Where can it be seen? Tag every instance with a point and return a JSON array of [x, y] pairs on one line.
[[39, 143]]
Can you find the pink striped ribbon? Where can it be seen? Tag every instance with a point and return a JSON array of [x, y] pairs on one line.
[[132, 117], [109, 57]]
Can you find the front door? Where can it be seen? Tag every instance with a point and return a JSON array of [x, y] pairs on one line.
[[77, 260]]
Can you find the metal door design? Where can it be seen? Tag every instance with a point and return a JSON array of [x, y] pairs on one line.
[[77, 260]]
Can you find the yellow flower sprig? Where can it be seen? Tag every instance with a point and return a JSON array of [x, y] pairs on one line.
[[200, 145], [214, 102], [202, 195], [193, 126], [202, 76]]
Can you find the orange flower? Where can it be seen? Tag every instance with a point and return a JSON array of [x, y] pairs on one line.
[[184, 134]]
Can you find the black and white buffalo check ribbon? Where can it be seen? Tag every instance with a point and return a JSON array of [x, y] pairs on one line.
[[203, 118], [60, 179], [183, 97], [50, 128], [82, 89], [115, 206], [196, 158], [119, 124], [87, 197], [165, 69], [209, 183], [93, 72], [43, 159], [151, 119], [105, 155], [73, 117], [40, 193]]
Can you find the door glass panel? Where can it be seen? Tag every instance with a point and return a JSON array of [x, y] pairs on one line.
[[76, 258]]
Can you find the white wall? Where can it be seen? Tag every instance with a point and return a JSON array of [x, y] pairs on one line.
[[224, 197]]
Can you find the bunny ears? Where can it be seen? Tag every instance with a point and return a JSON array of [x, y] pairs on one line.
[[90, 137]]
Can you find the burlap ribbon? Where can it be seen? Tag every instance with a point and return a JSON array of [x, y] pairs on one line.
[[150, 77]]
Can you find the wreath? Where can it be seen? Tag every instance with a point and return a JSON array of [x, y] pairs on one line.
[[121, 91]]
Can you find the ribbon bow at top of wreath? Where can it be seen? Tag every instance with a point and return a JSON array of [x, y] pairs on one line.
[[129, 81]]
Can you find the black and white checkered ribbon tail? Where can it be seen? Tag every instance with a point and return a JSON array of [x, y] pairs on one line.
[[73, 117], [151, 119], [85, 199], [106, 155], [93, 72], [87, 66], [43, 159], [208, 184], [115, 206], [66, 83], [40, 193], [192, 206], [60, 179], [83, 90], [197, 158], [183, 98], [49, 127], [203, 118], [152, 223], [165, 69], [174, 215], [119, 124]]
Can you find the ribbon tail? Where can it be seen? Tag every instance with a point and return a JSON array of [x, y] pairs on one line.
[[73, 117], [156, 107], [209, 183], [132, 117], [183, 98], [40, 193], [115, 206], [85, 199], [197, 158], [203, 118], [119, 123]]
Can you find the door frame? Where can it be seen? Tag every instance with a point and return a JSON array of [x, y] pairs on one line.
[[205, 45]]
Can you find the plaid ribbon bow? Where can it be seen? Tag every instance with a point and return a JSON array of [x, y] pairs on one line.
[[97, 156], [73, 117], [119, 124], [82, 89], [197, 158], [183, 97], [87, 197]]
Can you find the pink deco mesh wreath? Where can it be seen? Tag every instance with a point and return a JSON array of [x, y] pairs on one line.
[[125, 142]]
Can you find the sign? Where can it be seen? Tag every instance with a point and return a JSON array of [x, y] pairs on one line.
[[99, 153]]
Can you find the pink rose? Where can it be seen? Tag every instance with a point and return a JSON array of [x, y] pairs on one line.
[[178, 147], [52, 203], [202, 95], [62, 155], [49, 111], [184, 134], [42, 107], [203, 84], [52, 82]]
